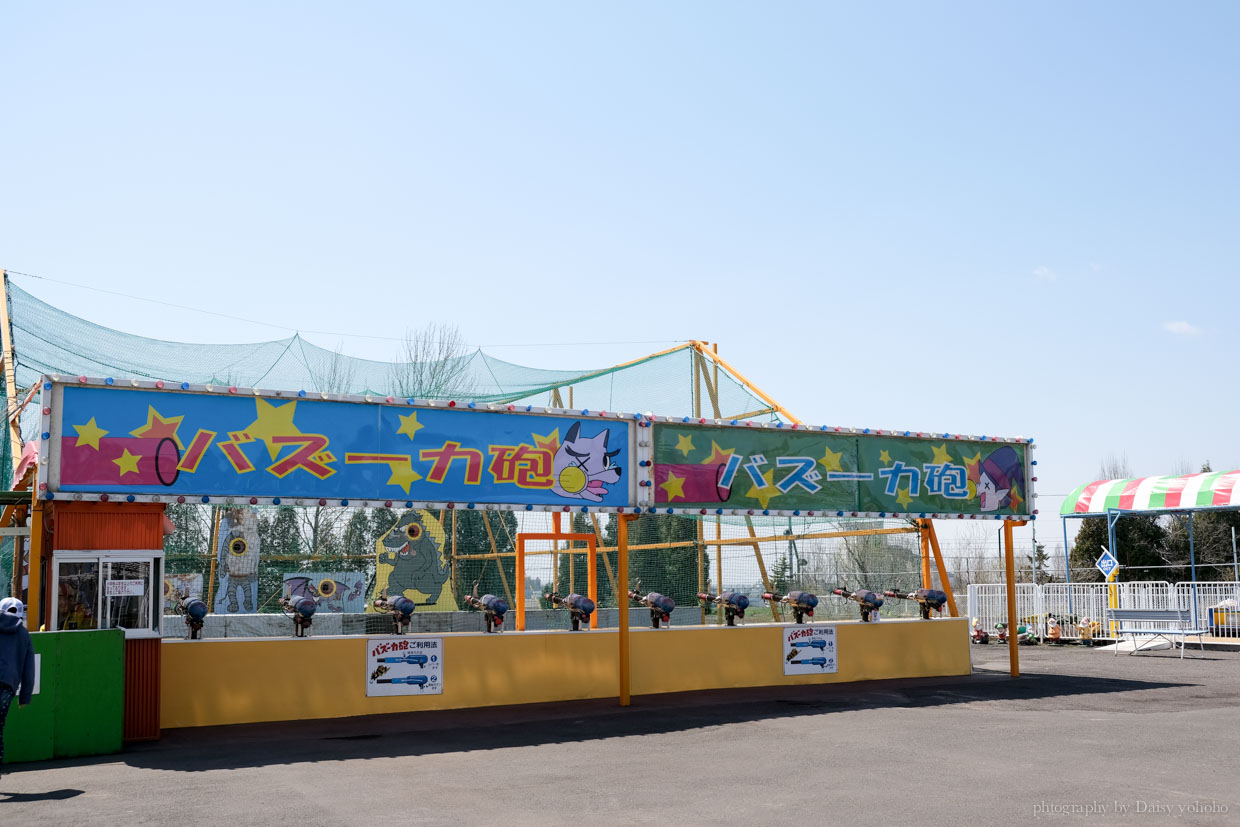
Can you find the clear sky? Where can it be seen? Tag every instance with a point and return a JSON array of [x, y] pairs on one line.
[[969, 216]]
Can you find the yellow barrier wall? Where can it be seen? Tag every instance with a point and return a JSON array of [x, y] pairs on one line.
[[247, 681]]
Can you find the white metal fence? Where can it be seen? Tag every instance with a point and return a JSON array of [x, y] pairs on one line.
[[1215, 604]]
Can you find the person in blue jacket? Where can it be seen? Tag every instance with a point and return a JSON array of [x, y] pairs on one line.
[[16, 661]]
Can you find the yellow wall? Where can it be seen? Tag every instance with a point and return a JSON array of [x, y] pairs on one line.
[[247, 681]]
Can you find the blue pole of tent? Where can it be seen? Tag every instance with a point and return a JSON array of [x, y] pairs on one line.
[[1067, 567], [1192, 561]]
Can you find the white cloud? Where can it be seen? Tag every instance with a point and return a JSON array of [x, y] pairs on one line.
[[1181, 328], [1044, 273]]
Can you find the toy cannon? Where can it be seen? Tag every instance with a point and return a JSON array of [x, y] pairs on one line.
[[869, 602], [734, 605], [660, 605], [302, 610], [413, 680], [419, 660], [928, 599], [399, 607], [579, 607], [801, 603], [798, 645], [493, 609], [193, 609]]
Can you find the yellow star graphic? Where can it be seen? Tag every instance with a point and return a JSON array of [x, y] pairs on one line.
[[718, 456], [675, 486], [831, 459], [684, 444], [127, 462], [764, 495], [89, 434], [550, 442], [403, 474], [884, 457], [273, 420], [903, 498], [159, 427], [941, 457], [409, 426], [1015, 499]]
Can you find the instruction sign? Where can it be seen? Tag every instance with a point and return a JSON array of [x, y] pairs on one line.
[[404, 666], [810, 650]]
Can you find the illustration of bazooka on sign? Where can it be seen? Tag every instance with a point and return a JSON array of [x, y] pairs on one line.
[[237, 560], [410, 561]]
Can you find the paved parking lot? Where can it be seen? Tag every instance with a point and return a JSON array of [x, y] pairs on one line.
[[1080, 735]]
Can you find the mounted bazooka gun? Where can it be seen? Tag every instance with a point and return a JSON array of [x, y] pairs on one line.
[[801, 603], [399, 607], [866, 599], [734, 605], [928, 599], [493, 609], [194, 609], [660, 605], [300, 609], [579, 607]]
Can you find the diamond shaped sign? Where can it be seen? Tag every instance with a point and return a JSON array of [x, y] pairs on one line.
[[1107, 564]]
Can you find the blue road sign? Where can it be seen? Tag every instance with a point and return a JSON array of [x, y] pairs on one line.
[[1107, 564]]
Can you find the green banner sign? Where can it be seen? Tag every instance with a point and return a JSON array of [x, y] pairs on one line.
[[755, 469]]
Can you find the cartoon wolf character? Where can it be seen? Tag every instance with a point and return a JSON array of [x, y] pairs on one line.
[[582, 465]]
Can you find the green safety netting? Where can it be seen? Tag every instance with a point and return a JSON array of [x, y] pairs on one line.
[[47, 340]]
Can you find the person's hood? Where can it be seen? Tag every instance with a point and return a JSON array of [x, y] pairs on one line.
[[9, 623]]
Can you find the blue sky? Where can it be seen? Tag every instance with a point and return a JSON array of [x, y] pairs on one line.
[[973, 217]]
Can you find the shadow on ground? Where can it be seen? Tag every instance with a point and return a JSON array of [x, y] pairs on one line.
[[53, 795], [429, 733]]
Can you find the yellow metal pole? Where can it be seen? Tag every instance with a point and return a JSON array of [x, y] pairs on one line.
[[214, 552], [700, 347], [611, 577], [503, 578], [1113, 601], [622, 567], [519, 603], [34, 589], [718, 579], [938, 561], [701, 573], [592, 578], [1009, 562], [766, 581]]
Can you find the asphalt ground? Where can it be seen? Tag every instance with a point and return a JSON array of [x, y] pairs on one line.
[[1080, 735]]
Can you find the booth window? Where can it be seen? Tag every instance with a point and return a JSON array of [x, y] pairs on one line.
[[109, 590]]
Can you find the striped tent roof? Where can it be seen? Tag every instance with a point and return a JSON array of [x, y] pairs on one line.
[[1146, 493]]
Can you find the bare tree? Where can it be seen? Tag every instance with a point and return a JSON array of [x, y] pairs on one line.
[[335, 374], [434, 364], [1115, 467]]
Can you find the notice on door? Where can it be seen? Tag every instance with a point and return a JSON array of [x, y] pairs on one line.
[[124, 588]]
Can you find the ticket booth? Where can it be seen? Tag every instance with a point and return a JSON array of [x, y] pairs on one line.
[[106, 571]]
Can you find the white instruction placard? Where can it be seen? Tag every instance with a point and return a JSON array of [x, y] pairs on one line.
[[810, 650], [404, 666]]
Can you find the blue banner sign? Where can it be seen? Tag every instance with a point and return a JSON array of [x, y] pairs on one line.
[[212, 444]]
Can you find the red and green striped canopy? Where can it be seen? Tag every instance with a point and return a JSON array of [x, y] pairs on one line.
[[1145, 493]]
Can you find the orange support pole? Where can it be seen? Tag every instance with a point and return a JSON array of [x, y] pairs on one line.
[[938, 561], [622, 574], [1009, 562], [926, 582], [519, 608]]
